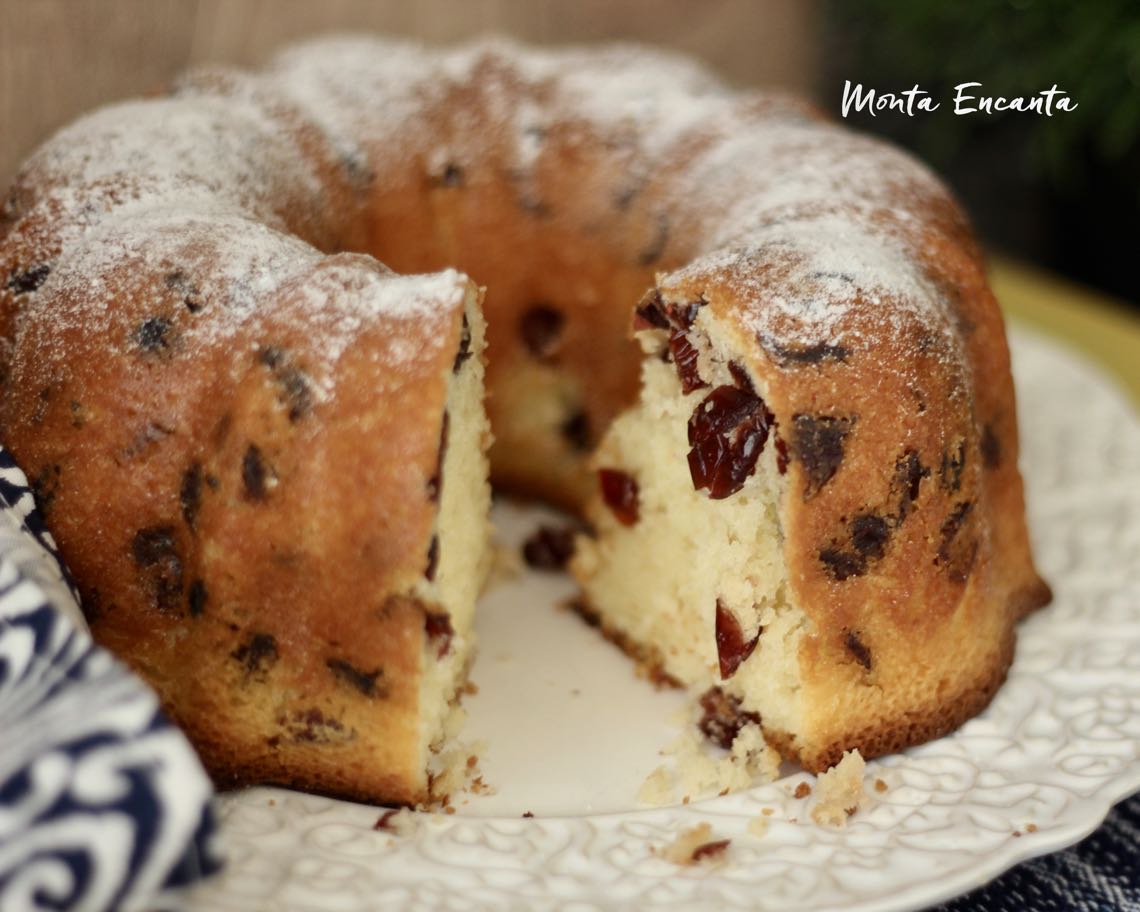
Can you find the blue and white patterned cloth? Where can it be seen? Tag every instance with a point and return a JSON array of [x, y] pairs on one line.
[[103, 803]]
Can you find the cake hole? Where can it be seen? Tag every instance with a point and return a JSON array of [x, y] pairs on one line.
[[541, 330]]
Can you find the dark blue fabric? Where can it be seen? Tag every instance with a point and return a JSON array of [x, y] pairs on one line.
[[103, 803], [1102, 872]]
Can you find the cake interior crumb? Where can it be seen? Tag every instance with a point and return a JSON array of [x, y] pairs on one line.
[[839, 791]]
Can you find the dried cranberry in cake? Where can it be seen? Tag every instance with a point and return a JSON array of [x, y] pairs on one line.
[[650, 313], [437, 626], [909, 472], [731, 646], [795, 355], [432, 559], [45, 486], [541, 331], [818, 441], [991, 447], [957, 551], [549, 548], [153, 335], [869, 535], [292, 383], [654, 313], [722, 718], [196, 598], [435, 483], [190, 493], [256, 475], [781, 455], [685, 360], [710, 850], [464, 352], [29, 280], [367, 682], [727, 433], [257, 655], [953, 464], [620, 493], [858, 649], [180, 284]]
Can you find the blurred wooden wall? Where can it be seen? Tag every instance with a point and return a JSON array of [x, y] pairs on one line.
[[59, 58]]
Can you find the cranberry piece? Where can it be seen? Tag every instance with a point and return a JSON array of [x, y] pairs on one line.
[[858, 649], [654, 313], [991, 447], [650, 314], [437, 626], [711, 849], [29, 280], [153, 334], [435, 483], [781, 455], [685, 360], [727, 433], [819, 441], [722, 718], [549, 548], [256, 476], [731, 647], [464, 351], [620, 493], [909, 472], [870, 534]]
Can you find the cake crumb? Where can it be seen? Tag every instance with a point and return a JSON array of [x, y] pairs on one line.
[[880, 786], [1017, 834], [697, 773], [528, 814], [657, 789], [767, 812], [695, 845], [839, 791], [397, 821], [1031, 828], [802, 790], [470, 688], [506, 565], [758, 826]]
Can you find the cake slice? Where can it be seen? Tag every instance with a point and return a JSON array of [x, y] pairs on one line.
[[797, 526], [267, 467]]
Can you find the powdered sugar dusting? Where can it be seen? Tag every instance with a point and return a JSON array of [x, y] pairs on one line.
[[810, 223]]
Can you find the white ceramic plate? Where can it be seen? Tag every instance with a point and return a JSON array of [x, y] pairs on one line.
[[572, 733]]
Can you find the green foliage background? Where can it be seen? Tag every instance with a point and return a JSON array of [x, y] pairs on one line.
[[1013, 47]]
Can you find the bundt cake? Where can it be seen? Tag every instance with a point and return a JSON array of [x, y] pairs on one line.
[[263, 454]]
